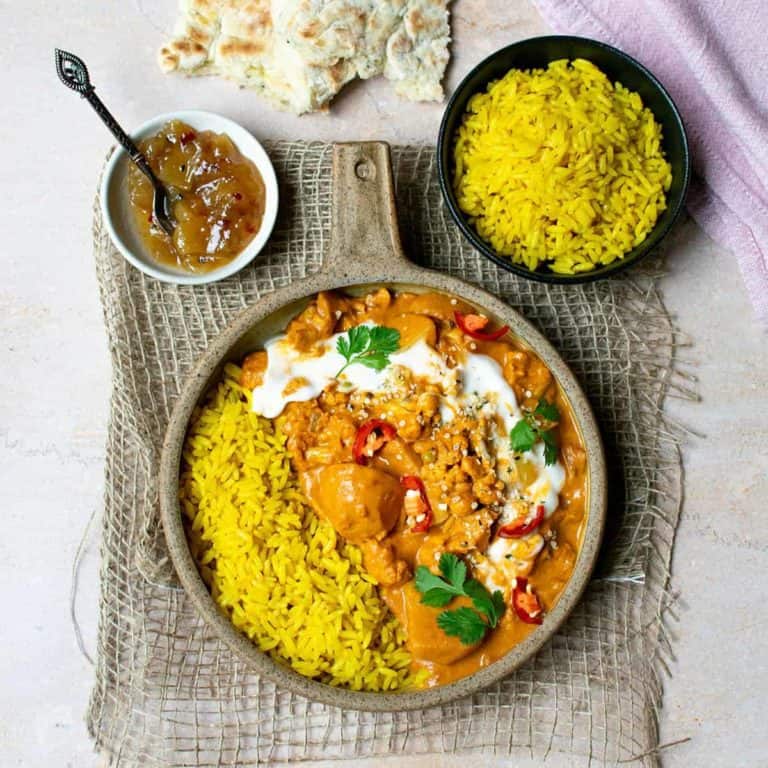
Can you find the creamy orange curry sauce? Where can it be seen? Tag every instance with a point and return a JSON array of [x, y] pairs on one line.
[[416, 458]]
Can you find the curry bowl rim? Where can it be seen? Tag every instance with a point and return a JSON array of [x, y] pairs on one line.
[[209, 367]]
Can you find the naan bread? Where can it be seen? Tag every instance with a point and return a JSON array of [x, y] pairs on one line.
[[300, 53]]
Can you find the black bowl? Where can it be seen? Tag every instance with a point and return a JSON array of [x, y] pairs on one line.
[[537, 53]]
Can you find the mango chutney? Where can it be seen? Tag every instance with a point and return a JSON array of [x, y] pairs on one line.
[[218, 198]]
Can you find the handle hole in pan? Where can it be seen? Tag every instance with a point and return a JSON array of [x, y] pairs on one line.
[[365, 170]]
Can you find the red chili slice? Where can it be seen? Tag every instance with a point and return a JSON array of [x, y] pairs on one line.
[[185, 138], [473, 326], [371, 436], [413, 483], [526, 603], [515, 530]]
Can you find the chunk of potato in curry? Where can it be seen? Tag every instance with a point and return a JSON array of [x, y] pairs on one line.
[[360, 502]]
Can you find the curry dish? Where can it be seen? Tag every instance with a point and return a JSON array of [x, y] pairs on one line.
[[218, 197], [442, 448]]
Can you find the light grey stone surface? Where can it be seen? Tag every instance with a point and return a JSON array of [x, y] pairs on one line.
[[54, 384]]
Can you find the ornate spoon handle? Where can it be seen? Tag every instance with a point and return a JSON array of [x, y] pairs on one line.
[[74, 74]]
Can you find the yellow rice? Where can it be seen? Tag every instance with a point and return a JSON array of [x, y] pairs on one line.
[[560, 166], [279, 573]]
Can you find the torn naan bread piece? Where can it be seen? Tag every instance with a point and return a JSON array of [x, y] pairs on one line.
[[299, 53]]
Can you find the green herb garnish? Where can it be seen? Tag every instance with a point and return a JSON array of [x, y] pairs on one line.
[[368, 345], [538, 424], [547, 411], [465, 623]]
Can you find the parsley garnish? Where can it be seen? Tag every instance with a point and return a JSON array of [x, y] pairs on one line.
[[535, 425], [368, 345], [465, 623]]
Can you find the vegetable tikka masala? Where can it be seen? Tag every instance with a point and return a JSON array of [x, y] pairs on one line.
[[444, 450]]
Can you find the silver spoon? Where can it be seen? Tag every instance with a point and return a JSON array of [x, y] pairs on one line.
[[74, 74]]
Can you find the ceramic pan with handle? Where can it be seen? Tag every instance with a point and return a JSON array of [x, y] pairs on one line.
[[365, 254]]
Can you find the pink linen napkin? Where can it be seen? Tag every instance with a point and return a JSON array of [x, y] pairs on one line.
[[712, 56]]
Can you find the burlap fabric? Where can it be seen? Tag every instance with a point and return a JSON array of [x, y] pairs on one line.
[[168, 693]]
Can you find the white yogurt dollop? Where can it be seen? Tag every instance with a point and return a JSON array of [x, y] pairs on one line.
[[317, 370], [477, 374]]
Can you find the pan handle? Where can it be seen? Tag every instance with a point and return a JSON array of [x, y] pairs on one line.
[[364, 233]]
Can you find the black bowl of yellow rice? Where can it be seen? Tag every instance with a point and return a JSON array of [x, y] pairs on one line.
[[563, 159]]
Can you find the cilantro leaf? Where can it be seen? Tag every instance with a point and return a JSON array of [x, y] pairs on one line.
[[548, 411], [485, 602], [475, 589], [463, 623], [550, 447], [522, 436], [354, 343], [437, 597], [369, 346], [375, 360], [427, 581], [453, 569], [437, 591], [528, 430], [385, 340]]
